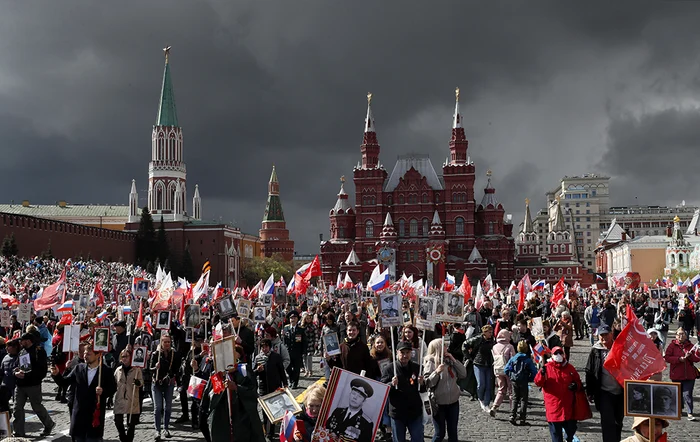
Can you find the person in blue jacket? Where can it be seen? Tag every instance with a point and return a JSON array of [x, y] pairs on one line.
[[521, 370]]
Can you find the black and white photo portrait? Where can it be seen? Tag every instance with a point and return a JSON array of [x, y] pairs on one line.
[[192, 315], [267, 300], [639, 399], [389, 310], [101, 338], [84, 302], [226, 308], [663, 293], [455, 306], [138, 358], [356, 407], [163, 322], [259, 314], [280, 295], [654, 293], [331, 344], [276, 404], [664, 400]]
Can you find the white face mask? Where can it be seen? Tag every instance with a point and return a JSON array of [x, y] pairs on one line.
[[558, 358]]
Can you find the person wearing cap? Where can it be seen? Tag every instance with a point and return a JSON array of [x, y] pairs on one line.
[[640, 426], [295, 340], [7, 367], [270, 372], [405, 404], [351, 423], [603, 389], [29, 377], [245, 338], [559, 381]]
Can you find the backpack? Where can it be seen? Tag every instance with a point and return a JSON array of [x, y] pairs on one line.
[[499, 362], [520, 372]]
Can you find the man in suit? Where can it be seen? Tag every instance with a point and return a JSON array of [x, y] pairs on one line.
[[295, 340], [88, 387], [351, 423]]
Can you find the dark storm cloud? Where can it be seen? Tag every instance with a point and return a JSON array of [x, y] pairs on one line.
[[284, 83]]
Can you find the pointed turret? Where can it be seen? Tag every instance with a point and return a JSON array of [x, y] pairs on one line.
[[677, 239], [342, 205], [352, 258], [273, 209], [274, 236], [370, 146], [133, 203], [273, 187], [436, 229], [167, 112], [197, 203], [177, 201], [559, 224], [528, 226], [458, 142], [475, 256], [489, 198], [388, 231]]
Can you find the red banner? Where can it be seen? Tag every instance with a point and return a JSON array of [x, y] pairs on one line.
[[633, 354], [52, 295]]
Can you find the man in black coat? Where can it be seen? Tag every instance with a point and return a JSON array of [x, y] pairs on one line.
[[269, 369], [295, 340], [405, 404], [92, 382], [30, 373], [245, 338]]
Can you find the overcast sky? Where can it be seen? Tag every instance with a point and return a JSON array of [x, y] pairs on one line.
[[548, 89]]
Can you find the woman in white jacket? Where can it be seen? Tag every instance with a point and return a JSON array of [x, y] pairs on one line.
[[441, 372], [126, 400]]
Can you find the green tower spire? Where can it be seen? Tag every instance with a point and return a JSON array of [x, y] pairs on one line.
[[167, 112], [273, 208]]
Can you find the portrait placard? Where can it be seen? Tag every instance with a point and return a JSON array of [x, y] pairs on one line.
[[331, 344], [259, 314], [406, 317], [101, 339], [140, 288], [139, 357], [353, 406], [71, 338], [370, 310], [224, 354], [24, 312], [5, 319], [5, 428], [654, 294], [243, 308], [193, 315], [425, 319], [454, 307], [653, 399], [226, 308], [537, 329], [267, 300], [389, 304], [280, 295], [276, 404], [663, 293], [163, 322]]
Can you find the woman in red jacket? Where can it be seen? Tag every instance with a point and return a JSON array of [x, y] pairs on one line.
[[559, 381], [681, 354]]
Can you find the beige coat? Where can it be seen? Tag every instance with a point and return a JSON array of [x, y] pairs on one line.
[[125, 389], [636, 438]]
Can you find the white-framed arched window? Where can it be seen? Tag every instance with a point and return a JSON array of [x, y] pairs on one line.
[[459, 226], [413, 226], [369, 228]]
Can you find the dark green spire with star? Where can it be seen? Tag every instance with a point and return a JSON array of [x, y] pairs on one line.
[[167, 112], [273, 208]]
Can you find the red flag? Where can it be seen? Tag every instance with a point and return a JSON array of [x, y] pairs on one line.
[[313, 270], [523, 287], [633, 354], [8, 299], [52, 295], [466, 288], [558, 292], [139, 320], [98, 295]]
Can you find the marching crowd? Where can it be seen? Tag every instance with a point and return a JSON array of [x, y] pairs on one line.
[[488, 358]]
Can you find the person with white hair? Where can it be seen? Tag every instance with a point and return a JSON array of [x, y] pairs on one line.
[[655, 336]]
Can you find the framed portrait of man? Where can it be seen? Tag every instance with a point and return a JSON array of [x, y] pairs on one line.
[[653, 399], [389, 305], [243, 307], [139, 356], [226, 308], [193, 315], [267, 300], [425, 319], [663, 293], [654, 294], [259, 313], [101, 339], [224, 353], [353, 406], [276, 404], [163, 322], [331, 344], [280, 295], [454, 307]]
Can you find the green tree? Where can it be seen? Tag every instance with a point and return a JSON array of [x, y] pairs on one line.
[[9, 246], [187, 268], [257, 268], [162, 241], [47, 254], [146, 246]]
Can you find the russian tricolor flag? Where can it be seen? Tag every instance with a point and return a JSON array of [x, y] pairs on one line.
[[538, 285], [66, 307], [696, 280], [269, 287], [126, 310], [288, 427], [378, 280], [102, 315]]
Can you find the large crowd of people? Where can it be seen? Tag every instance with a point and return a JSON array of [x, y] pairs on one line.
[[487, 358]]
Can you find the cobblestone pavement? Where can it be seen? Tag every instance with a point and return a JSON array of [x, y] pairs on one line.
[[474, 424]]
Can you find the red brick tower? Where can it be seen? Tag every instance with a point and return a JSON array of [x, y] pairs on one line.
[[274, 236]]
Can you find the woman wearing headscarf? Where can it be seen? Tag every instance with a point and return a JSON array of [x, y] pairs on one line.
[[681, 355], [559, 381], [441, 371]]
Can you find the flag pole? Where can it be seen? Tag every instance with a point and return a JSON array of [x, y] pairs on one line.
[[393, 352]]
